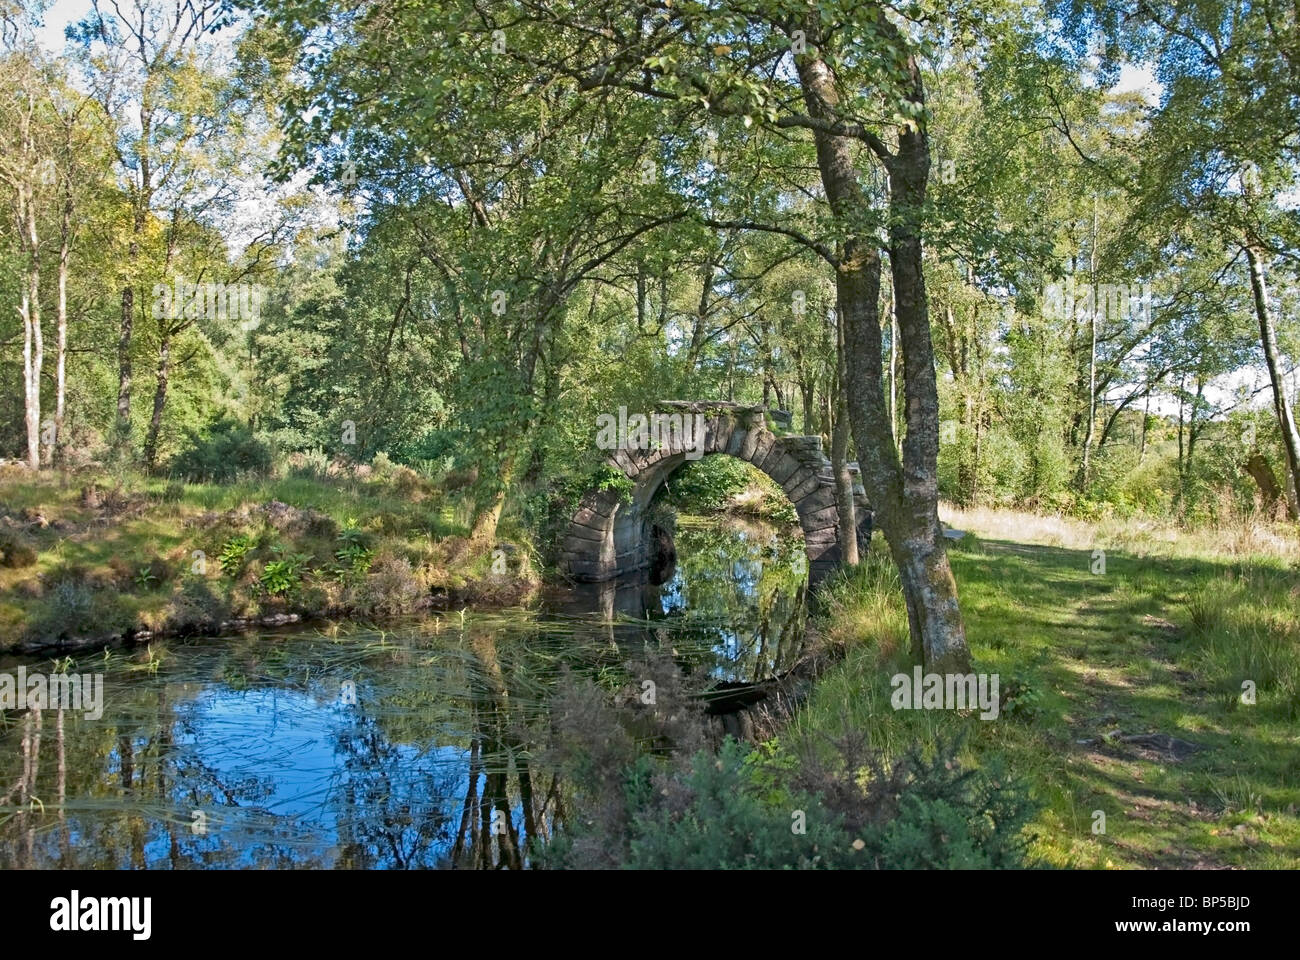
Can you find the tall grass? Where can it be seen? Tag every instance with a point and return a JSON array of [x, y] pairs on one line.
[[863, 606], [1235, 535], [1245, 626]]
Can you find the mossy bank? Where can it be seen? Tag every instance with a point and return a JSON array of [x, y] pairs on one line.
[[91, 558]]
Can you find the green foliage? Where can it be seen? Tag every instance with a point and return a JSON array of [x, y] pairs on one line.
[[776, 506], [831, 803], [707, 484], [233, 554], [145, 577], [353, 557], [714, 818], [608, 478], [439, 445], [739, 810], [1020, 700], [954, 818], [283, 575], [221, 453]]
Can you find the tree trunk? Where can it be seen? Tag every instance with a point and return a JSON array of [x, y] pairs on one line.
[[978, 394], [893, 378], [123, 439], [488, 506], [1281, 402], [1085, 465], [124, 364], [921, 552], [698, 334], [845, 508], [1182, 468], [1269, 490], [159, 398], [60, 368], [1146, 419], [33, 338], [904, 496]]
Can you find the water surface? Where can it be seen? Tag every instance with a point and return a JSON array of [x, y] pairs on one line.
[[349, 746]]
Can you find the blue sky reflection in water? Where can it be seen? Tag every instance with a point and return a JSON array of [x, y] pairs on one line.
[[249, 751]]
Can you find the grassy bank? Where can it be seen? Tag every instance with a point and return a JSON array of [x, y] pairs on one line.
[[90, 557], [1121, 685]]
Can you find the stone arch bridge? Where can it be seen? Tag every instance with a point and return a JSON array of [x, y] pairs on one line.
[[609, 536]]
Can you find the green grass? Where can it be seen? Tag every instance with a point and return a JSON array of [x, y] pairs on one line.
[[1155, 645]]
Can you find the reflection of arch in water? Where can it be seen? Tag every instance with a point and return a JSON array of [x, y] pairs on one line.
[[630, 595], [608, 537]]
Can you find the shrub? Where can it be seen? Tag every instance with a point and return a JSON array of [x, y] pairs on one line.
[[284, 574], [74, 604], [224, 450], [234, 552], [714, 819], [953, 818], [310, 465], [410, 484], [392, 588], [197, 605], [743, 809], [15, 550], [434, 469], [1021, 700], [74, 598], [353, 557]]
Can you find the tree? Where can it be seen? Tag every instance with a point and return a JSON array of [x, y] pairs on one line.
[[25, 169], [137, 60], [1224, 146], [824, 78]]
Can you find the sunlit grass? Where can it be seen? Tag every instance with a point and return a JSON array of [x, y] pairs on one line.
[[1160, 643]]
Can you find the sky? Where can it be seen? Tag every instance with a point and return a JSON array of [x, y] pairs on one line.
[[60, 14]]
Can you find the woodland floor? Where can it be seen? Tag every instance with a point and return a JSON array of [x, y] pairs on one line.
[[1130, 697]]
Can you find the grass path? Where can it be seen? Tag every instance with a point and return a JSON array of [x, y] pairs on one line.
[[1128, 688]]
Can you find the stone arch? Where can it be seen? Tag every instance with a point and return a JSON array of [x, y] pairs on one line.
[[607, 535]]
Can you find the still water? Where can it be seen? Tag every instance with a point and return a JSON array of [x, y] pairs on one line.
[[347, 746]]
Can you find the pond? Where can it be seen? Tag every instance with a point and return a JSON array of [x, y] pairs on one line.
[[349, 746]]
